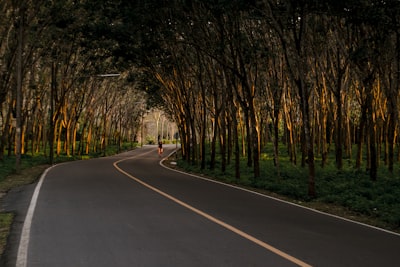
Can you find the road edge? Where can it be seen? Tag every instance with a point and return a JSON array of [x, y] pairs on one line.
[[22, 254]]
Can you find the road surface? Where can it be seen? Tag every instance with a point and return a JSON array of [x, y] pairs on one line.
[[128, 210]]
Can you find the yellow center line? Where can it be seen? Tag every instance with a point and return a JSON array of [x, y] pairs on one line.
[[213, 219]]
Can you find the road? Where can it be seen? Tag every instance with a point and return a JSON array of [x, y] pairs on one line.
[[128, 210]]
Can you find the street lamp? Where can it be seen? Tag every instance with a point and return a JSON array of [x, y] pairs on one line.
[[108, 75], [18, 128]]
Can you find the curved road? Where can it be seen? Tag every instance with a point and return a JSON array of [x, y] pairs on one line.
[[128, 210]]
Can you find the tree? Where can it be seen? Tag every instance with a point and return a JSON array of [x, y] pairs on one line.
[[290, 20]]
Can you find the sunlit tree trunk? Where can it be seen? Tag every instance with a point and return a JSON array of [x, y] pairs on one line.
[[361, 136]]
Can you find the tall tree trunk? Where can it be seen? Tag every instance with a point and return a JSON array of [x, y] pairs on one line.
[[203, 131], [229, 139], [372, 137], [275, 120], [67, 142], [88, 139], [236, 143], [74, 131], [59, 137], [391, 136], [6, 131], [193, 142], [308, 137], [19, 97], [291, 146], [248, 138], [339, 129], [348, 139], [393, 114], [222, 142], [234, 112], [255, 140], [213, 145], [360, 137]]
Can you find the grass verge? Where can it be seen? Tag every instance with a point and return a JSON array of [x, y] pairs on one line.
[[6, 220], [10, 181]]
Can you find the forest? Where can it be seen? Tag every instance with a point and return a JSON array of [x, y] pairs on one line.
[[319, 78]]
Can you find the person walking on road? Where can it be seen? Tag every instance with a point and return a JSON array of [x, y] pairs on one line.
[[160, 148]]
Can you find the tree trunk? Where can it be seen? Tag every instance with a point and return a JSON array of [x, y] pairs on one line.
[[88, 140], [59, 137], [222, 143], [203, 131], [229, 139], [308, 137], [213, 145], [74, 131], [193, 142], [360, 137], [339, 131], [236, 144], [373, 165], [275, 120], [254, 140], [248, 138]]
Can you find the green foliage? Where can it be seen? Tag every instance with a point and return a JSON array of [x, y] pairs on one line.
[[150, 139], [7, 165]]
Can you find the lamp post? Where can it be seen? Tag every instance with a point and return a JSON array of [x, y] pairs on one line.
[[18, 104], [53, 88], [107, 75]]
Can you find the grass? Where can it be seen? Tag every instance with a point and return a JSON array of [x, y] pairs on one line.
[[6, 220], [9, 179], [348, 192]]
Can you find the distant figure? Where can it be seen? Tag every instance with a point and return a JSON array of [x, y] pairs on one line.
[[160, 149]]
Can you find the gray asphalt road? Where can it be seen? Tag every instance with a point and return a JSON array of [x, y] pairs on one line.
[[128, 210]]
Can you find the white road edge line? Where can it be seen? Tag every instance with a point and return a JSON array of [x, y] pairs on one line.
[[213, 219], [22, 255], [274, 198]]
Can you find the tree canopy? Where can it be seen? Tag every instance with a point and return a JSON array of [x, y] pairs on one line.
[[234, 75]]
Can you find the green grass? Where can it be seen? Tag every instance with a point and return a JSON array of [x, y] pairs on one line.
[[5, 224], [350, 189]]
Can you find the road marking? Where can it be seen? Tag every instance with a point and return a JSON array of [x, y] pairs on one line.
[[213, 219], [22, 255]]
